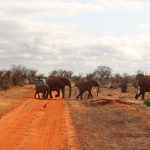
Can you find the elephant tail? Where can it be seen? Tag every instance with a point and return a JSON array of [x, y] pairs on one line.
[[70, 89]]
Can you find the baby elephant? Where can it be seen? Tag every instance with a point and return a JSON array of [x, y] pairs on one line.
[[41, 88]]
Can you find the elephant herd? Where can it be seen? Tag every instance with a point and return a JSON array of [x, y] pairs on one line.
[[58, 84]]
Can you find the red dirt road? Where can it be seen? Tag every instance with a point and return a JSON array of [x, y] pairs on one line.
[[37, 125]]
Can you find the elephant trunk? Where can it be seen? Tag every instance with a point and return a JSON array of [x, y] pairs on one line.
[[97, 90], [70, 91]]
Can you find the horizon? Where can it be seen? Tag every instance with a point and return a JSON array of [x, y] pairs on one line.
[[38, 73]]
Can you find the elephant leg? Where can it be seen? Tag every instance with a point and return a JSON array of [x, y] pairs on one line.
[[50, 93], [39, 95], [136, 96], [81, 95], [43, 95], [63, 93], [90, 94], [35, 94], [143, 94], [46, 95], [58, 93], [78, 94]]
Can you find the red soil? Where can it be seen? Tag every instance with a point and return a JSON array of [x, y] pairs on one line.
[[37, 125]]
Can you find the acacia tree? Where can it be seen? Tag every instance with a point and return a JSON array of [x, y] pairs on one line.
[[53, 73], [31, 75], [102, 73], [8, 76], [1, 74], [115, 80], [61, 73], [78, 77], [19, 74], [89, 76]]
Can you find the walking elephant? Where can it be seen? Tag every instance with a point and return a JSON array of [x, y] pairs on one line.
[[57, 84], [144, 85], [41, 88], [87, 86]]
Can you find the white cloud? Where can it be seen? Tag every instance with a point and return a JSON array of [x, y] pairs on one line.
[[58, 46], [46, 44], [61, 8], [144, 27]]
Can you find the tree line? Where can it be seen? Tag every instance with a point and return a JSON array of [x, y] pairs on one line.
[[19, 75]]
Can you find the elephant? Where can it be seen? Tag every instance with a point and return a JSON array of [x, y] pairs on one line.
[[144, 85], [87, 86], [57, 84], [41, 88]]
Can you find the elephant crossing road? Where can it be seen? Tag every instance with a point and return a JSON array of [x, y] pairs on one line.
[[87, 85]]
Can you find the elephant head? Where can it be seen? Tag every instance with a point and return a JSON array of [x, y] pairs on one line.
[[95, 83], [67, 83]]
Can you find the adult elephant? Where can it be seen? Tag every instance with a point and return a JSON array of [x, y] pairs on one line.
[[144, 84], [41, 88], [87, 85], [57, 84]]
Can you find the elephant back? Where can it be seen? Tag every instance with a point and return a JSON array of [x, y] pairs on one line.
[[54, 82]]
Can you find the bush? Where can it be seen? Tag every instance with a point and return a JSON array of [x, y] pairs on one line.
[[147, 102], [124, 87], [21, 84], [114, 86], [4, 85]]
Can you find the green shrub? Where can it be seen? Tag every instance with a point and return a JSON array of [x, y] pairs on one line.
[[4, 85], [147, 102]]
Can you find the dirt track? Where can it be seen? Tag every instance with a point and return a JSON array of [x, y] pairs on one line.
[[37, 125]]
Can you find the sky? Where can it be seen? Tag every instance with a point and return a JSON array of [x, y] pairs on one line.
[[76, 35]]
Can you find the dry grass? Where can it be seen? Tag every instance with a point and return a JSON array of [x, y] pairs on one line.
[[13, 96], [116, 121]]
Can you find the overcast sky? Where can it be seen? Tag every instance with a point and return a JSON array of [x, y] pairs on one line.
[[76, 35]]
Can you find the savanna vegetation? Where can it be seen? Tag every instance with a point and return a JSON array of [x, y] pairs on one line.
[[112, 120], [17, 75], [14, 96], [20, 75]]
